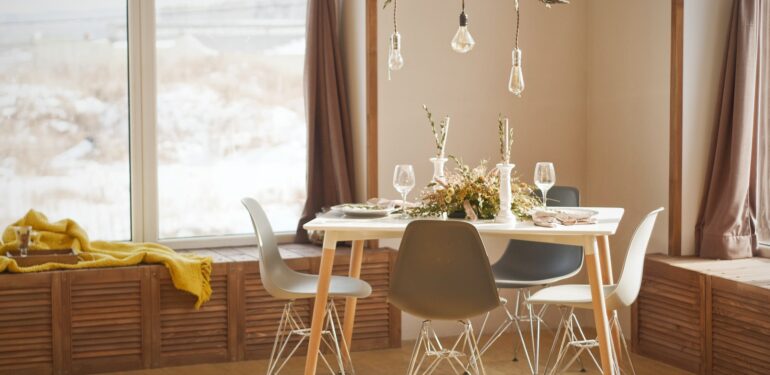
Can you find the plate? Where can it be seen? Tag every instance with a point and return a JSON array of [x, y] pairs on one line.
[[578, 213], [363, 210]]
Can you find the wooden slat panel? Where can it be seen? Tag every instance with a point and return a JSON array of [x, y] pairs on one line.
[[668, 316], [105, 319], [188, 335], [740, 327], [120, 319], [26, 337]]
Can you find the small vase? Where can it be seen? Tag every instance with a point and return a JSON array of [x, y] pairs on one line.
[[438, 170], [505, 215]]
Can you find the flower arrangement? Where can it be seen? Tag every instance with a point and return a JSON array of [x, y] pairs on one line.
[[472, 193]]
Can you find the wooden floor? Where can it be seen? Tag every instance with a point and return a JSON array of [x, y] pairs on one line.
[[497, 361]]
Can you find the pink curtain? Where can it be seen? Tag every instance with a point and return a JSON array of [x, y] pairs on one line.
[[330, 142], [734, 212]]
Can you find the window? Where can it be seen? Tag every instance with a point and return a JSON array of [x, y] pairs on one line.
[[64, 148], [216, 114], [231, 117]]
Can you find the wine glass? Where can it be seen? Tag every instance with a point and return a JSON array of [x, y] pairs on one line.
[[545, 177], [403, 181]]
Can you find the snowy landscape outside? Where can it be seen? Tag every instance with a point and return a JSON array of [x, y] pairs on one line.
[[230, 113]]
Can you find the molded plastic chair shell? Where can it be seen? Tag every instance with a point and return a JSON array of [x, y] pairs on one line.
[[525, 264], [443, 272], [624, 293], [283, 282]]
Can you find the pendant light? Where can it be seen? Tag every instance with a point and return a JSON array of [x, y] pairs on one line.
[[516, 80], [463, 41], [395, 60]]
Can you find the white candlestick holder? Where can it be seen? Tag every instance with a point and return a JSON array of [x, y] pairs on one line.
[[505, 215]]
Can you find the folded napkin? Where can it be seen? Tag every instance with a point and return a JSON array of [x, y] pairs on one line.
[[552, 218]]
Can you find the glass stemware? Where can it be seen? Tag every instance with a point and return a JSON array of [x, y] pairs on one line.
[[545, 178], [403, 181]]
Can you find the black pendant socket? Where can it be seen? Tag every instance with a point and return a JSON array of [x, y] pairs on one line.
[[463, 19]]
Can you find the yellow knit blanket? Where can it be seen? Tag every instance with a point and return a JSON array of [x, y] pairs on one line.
[[190, 273]]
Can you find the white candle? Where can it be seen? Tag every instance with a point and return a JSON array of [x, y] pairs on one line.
[[446, 135], [507, 153]]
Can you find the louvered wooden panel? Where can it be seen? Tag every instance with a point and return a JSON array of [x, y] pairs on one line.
[[105, 320], [129, 318], [194, 336], [740, 334], [669, 319], [26, 342], [373, 315], [263, 312]]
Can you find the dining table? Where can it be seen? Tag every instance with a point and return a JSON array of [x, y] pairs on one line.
[[593, 237]]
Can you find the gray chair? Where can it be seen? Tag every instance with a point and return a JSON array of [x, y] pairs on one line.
[[525, 265], [284, 283], [443, 273]]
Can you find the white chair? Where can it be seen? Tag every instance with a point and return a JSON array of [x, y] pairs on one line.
[[622, 294], [284, 283]]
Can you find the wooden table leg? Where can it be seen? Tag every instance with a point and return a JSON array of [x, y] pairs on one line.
[[356, 259], [605, 259], [319, 307], [599, 306]]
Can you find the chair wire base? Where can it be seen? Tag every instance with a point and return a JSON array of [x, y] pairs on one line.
[[571, 335], [523, 313], [292, 333], [429, 353]]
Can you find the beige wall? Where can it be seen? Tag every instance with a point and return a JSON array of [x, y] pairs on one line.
[[628, 114], [549, 120], [706, 24]]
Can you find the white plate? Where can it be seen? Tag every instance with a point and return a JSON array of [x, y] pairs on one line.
[[578, 213], [362, 210]]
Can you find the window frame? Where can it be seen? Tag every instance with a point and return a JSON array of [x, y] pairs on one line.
[[142, 101]]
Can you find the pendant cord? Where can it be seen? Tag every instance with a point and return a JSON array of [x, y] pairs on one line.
[[395, 24], [517, 23], [463, 5]]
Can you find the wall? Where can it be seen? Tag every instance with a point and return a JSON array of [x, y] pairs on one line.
[[549, 120], [706, 24], [628, 114]]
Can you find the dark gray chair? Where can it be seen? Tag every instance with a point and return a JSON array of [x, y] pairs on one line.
[[531, 264], [443, 273]]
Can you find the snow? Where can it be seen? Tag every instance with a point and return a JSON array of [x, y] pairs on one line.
[[230, 124]]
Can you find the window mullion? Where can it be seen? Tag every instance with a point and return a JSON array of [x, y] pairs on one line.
[[144, 206]]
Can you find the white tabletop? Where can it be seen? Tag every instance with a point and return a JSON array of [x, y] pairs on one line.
[[608, 219]]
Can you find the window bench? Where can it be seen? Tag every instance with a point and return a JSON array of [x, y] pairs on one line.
[[117, 319], [705, 316]]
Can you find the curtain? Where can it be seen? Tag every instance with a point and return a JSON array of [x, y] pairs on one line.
[[330, 144], [734, 212]]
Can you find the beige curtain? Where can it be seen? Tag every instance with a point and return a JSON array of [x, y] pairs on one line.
[[734, 212], [330, 145]]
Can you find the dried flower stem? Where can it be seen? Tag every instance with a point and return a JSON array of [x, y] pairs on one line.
[[439, 135], [505, 152]]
